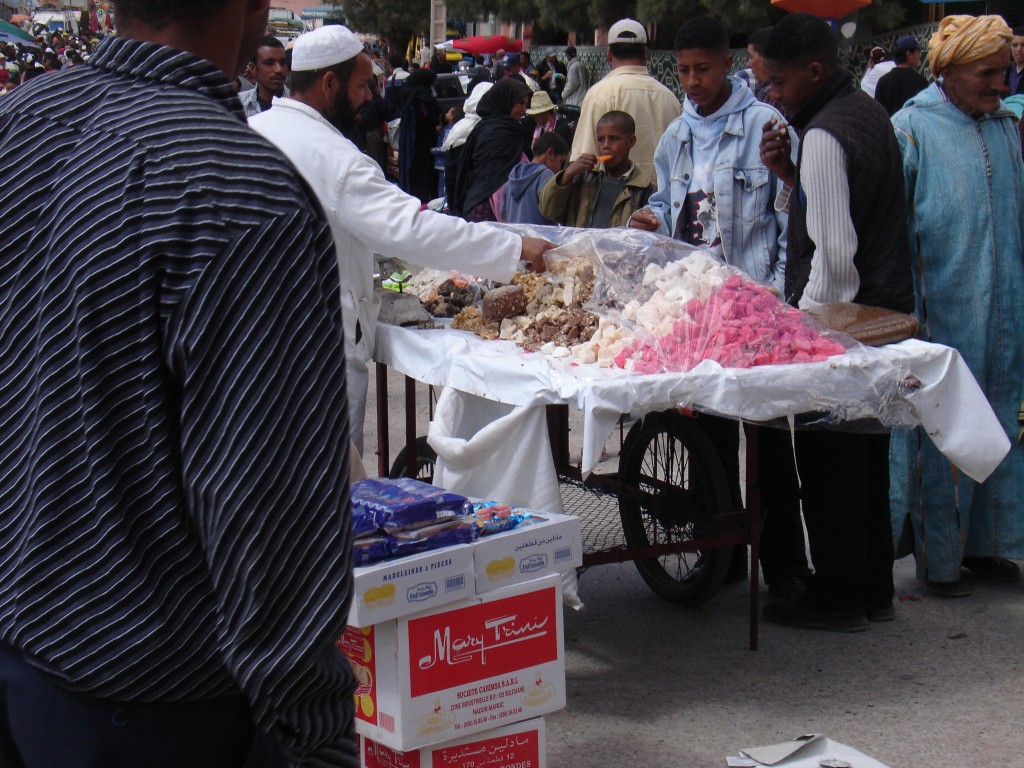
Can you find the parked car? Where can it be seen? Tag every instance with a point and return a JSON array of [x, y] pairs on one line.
[[450, 89]]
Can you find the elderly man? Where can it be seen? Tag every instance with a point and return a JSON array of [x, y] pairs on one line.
[[270, 67], [847, 243], [175, 535], [628, 88], [965, 193], [368, 214]]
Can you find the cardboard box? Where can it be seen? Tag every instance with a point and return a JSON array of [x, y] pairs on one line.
[[521, 745], [464, 669], [393, 588], [550, 545]]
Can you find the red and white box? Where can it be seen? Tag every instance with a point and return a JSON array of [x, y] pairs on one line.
[[521, 745], [552, 543], [446, 674]]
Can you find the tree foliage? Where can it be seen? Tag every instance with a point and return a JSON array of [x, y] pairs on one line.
[[397, 20], [554, 18]]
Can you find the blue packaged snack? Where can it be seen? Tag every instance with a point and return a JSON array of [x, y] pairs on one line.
[[396, 503], [370, 549], [459, 530], [495, 517]]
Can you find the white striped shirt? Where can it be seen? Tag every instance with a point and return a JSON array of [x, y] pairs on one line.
[[174, 520], [826, 184]]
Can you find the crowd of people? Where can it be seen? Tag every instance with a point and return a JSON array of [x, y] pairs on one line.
[[189, 217], [50, 52]]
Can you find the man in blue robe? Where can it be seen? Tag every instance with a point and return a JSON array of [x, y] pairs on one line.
[[965, 200]]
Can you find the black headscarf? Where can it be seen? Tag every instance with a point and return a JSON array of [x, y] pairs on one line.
[[502, 97], [492, 150]]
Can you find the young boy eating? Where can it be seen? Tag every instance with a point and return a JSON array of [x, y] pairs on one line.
[[600, 191]]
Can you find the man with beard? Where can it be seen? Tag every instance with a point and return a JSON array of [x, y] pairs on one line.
[[270, 65], [368, 214]]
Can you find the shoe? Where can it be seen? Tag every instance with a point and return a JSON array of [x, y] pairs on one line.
[[795, 613], [958, 588], [788, 588], [882, 612], [992, 568]]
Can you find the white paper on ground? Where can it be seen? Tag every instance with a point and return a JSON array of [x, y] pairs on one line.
[[803, 752]]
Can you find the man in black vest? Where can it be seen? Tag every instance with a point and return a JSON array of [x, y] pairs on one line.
[[847, 243]]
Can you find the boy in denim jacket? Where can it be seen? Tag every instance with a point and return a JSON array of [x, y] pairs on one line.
[[713, 190]]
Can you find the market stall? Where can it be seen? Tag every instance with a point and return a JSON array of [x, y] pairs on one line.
[[907, 384]]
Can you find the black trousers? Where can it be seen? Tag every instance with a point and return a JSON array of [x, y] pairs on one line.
[[845, 491], [43, 725], [782, 534]]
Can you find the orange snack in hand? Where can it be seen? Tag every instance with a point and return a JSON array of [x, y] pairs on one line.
[[603, 158]]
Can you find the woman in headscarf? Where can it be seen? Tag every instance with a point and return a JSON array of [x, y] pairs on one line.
[[417, 136], [493, 148]]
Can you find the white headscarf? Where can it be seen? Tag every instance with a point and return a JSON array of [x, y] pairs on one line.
[[460, 131]]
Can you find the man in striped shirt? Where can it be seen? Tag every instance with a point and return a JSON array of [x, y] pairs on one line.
[[174, 524]]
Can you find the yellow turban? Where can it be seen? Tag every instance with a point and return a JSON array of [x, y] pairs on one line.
[[961, 39]]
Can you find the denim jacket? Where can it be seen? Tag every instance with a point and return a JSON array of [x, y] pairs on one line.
[[753, 233]]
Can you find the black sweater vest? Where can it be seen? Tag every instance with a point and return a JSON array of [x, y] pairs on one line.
[[877, 207]]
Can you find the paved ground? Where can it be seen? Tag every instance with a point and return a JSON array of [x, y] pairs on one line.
[[654, 685]]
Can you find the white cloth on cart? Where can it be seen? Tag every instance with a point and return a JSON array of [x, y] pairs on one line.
[[949, 405], [492, 450]]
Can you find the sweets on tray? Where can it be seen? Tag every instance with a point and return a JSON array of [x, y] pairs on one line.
[[503, 302]]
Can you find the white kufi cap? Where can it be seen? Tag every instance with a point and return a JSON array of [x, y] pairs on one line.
[[324, 47]]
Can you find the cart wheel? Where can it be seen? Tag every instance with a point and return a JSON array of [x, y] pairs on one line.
[[425, 459], [673, 485]]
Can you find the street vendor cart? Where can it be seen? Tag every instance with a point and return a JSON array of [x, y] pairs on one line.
[[671, 498]]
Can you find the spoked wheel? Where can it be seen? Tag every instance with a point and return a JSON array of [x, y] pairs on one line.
[[423, 470], [673, 486]]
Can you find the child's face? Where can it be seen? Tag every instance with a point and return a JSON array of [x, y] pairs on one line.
[[552, 161], [613, 140], [450, 116], [703, 74]]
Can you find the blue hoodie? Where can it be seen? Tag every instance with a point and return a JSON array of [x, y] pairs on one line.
[[520, 204]]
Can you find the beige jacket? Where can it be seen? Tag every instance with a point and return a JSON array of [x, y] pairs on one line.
[[631, 89]]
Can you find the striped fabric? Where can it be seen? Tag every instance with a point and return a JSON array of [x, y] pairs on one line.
[[174, 520]]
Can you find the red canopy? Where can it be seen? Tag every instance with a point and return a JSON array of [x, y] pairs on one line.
[[825, 9], [487, 44]]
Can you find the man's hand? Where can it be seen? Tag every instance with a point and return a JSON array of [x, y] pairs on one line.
[[644, 219], [776, 148], [533, 252], [579, 166]]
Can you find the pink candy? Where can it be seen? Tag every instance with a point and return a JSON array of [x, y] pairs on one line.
[[742, 324]]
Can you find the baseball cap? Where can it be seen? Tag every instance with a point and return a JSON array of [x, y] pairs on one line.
[[324, 47], [627, 31], [906, 43]]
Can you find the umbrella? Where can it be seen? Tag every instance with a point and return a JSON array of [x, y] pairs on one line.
[[12, 34], [825, 9], [488, 44]]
